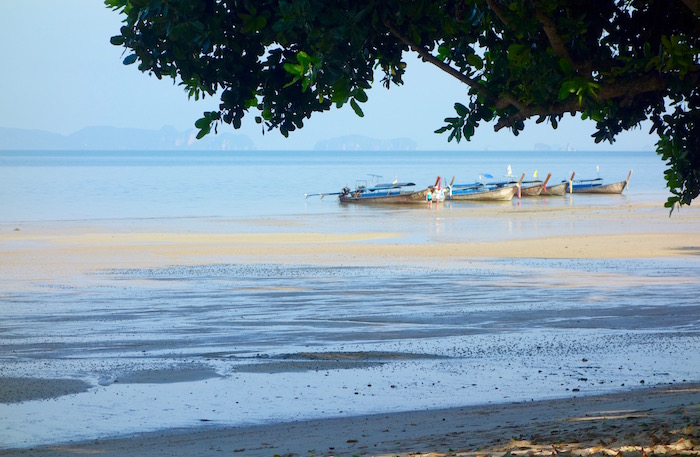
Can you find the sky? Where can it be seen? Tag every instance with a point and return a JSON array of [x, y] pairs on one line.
[[59, 73]]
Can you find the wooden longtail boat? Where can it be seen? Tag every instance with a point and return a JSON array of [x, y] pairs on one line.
[[384, 196], [534, 188], [558, 189], [527, 188], [394, 193], [361, 188], [596, 186], [482, 192]]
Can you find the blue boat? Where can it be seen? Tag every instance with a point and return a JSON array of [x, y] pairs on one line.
[[596, 186]]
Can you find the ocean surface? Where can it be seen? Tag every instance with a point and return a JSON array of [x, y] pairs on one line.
[[109, 185], [245, 344]]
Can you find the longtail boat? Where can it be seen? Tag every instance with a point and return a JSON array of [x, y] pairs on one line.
[[534, 188], [596, 186], [384, 196], [558, 189], [482, 192], [386, 193], [527, 188], [361, 187]]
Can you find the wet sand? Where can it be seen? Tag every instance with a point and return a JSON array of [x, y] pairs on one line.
[[36, 251], [34, 255], [659, 421]]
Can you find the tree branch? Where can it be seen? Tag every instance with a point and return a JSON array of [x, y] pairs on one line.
[[499, 12], [428, 57], [550, 29], [627, 90], [499, 102], [694, 6]]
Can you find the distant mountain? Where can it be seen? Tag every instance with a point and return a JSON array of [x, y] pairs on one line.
[[363, 143], [113, 138]]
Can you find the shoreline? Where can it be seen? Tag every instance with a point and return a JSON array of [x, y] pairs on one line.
[[661, 419]]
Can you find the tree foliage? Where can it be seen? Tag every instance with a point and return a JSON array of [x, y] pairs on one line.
[[616, 62]]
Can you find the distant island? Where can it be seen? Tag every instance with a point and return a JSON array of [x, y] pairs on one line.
[[114, 138], [171, 139], [168, 138]]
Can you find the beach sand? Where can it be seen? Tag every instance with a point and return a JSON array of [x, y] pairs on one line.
[[41, 251], [658, 421], [662, 419]]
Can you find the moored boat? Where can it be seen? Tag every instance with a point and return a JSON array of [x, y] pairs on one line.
[[531, 188], [534, 188], [596, 186], [394, 193], [483, 192], [558, 189]]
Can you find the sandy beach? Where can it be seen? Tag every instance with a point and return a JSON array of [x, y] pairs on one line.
[[36, 250], [660, 418], [660, 421]]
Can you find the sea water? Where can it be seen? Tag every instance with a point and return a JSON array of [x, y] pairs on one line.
[[112, 185]]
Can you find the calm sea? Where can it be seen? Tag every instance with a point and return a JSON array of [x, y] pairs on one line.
[[79, 185]]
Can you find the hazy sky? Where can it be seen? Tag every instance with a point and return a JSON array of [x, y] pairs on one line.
[[60, 74]]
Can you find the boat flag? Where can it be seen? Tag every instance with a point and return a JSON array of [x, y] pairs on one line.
[[534, 175], [509, 171]]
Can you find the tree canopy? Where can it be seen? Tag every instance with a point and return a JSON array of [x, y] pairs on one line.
[[615, 62]]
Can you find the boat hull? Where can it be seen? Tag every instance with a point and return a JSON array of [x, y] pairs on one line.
[[385, 199], [499, 194], [615, 188], [594, 188], [531, 191], [559, 189]]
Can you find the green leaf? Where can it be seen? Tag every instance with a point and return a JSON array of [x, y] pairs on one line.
[[461, 109], [204, 132], [131, 58], [356, 108], [117, 40], [304, 59], [202, 123], [567, 88], [444, 52], [294, 69], [468, 131], [566, 67], [475, 61], [360, 95], [292, 82]]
